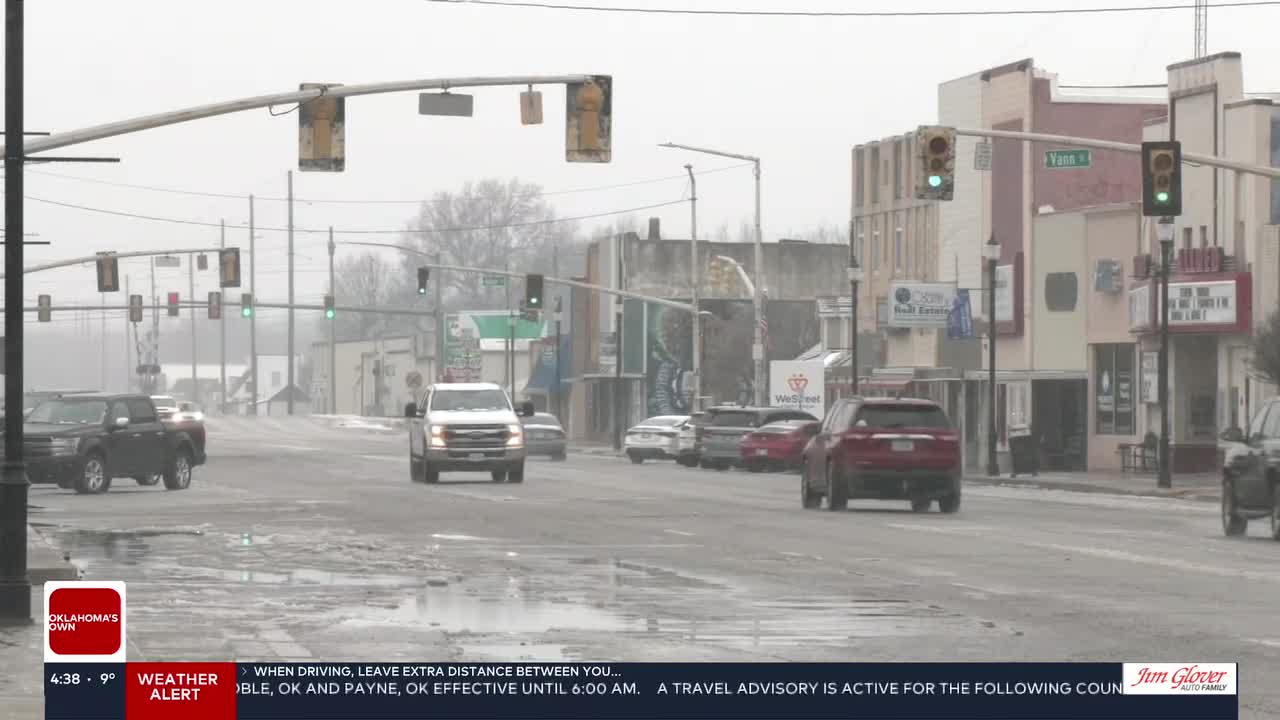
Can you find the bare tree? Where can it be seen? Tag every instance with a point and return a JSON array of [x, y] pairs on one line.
[[1266, 349], [488, 224], [367, 280]]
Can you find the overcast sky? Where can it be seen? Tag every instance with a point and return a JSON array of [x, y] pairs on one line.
[[797, 92]]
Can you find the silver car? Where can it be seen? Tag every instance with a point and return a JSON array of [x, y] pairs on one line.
[[543, 435]]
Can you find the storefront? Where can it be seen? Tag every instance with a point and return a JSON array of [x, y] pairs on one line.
[[1210, 320]]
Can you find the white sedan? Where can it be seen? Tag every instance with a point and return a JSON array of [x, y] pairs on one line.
[[655, 439]]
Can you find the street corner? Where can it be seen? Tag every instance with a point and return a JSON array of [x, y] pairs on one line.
[[45, 561]]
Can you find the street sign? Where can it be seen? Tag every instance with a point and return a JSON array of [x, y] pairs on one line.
[[1067, 159], [168, 261], [493, 281], [446, 103], [413, 379], [982, 156]]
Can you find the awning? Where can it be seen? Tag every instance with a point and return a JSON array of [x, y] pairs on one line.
[[884, 383]]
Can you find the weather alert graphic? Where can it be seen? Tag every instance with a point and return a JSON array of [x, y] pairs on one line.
[[84, 621]]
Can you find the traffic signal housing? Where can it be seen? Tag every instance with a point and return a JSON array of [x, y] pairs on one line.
[[229, 267], [936, 147], [533, 291], [589, 120], [329, 310], [246, 304], [424, 274], [44, 308], [108, 273], [1162, 178], [173, 304], [215, 306], [135, 308]]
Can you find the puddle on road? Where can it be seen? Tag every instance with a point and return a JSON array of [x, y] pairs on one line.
[[449, 610]]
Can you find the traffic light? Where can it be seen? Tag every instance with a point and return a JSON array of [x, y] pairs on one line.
[[202, 262], [937, 149], [423, 275], [533, 291], [215, 305], [246, 305], [589, 120], [108, 273], [44, 308], [229, 267], [1162, 178], [135, 308], [329, 311], [173, 304]]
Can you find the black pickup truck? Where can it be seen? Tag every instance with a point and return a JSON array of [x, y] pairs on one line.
[[83, 441]]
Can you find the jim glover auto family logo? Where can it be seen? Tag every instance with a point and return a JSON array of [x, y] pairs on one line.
[[1180, 678], [84, 621]]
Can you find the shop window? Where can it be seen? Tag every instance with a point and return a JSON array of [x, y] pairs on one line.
[[1061, 291], [874, 183], [1113, 389]]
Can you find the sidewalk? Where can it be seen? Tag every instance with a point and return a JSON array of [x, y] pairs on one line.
[[1205, 487], [46, 562]]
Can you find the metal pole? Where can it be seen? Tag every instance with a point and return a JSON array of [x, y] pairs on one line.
[[128, 352], [289, 387], [103, 342], [762, 378], [853, 308], [333, 335], [619, 407], [696, 328], [253, 317], [15, 586], [1165, 478], [153, 352], [559, 399], [437, 291], [993, 466], [191, 289], [222, 326], [511, 343]]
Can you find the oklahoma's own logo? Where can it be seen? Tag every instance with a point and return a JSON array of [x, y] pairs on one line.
[[1179, 678], [797, 383], [84, 622]]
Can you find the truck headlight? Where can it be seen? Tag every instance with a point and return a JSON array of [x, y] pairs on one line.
[[516, 438], [64, 446], [437, 435]]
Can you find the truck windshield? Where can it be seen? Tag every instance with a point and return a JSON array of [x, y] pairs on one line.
[[69, 412], [469, 400]]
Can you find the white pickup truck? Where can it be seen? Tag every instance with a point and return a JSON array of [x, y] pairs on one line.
[[466, 427]]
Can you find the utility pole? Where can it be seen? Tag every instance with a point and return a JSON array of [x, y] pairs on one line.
[[333, 335], [437, 293], [154, 350], [511, 356], [559, 308], [757, 350], [222, 325], [253, 318], [694, 277], [1164, 229], [289, 387], [855, 277], [191, 289], [128, 366], [619, 406], [15, 586], [103, 298], [992, 252]]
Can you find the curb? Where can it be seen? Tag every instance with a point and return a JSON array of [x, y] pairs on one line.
[[45, 562], [1196, 494]]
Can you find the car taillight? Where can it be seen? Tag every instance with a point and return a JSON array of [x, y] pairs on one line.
[[947, 437]]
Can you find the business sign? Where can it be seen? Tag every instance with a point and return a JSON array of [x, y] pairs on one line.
[[1006, 300], [960, 321], [1192, 305], [921, 304], [835, 306], [1151, 377], [798, 385]]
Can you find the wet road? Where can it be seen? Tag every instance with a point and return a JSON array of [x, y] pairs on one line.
[[301, 542]]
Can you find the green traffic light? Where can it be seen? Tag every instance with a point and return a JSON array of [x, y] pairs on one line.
[[935, 181], [246, 312], [422, 291], [1162, 197], [328, 313]]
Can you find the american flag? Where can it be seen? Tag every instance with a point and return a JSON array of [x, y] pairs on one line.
[[765, 340]]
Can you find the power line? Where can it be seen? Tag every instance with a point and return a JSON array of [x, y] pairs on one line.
[[857, 13], [244, 196], [400, 231]]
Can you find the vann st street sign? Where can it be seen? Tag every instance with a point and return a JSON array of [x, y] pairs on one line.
[[1063, 159]]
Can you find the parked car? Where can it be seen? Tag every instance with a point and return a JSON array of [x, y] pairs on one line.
[[777, 446], [657, 438], [466, 427], [883, 449], [1249, 470], [82, 442], [719, 439], [543, 435], [687, 440]]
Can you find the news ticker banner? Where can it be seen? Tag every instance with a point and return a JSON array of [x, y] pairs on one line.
[[87, 677]]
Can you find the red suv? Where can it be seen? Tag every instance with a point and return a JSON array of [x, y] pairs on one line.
[[883, 449]]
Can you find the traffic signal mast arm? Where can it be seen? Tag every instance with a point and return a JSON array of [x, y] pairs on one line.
[[742, 273]]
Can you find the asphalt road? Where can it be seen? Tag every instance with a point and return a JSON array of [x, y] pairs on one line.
[[299, 541]]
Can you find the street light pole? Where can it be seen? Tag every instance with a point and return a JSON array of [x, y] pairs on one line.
[[1164, 230], [558, 405], [15, 586], [855, 277], [222, 327], [619, 406], [696, 329], [253, 318], [333, 335], [992, 252], [757, 300], [292, 361]]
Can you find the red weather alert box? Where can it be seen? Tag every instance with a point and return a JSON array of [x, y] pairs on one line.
[[193, 691]]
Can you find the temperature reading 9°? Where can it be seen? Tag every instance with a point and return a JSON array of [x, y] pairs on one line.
[[105, 678]]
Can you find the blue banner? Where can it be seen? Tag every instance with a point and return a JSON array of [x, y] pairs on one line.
[[960, 319], [642, 691]]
